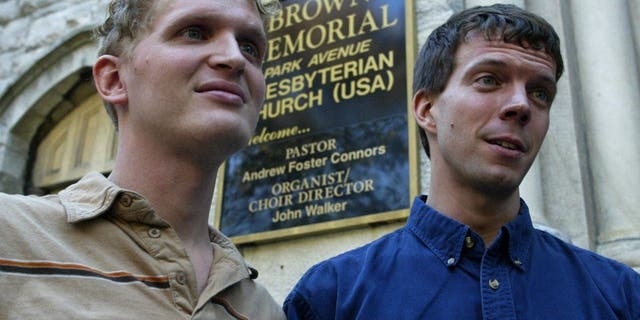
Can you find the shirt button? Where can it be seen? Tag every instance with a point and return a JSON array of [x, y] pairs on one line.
[[451, 261], [154, 233], [517, 262], [180, 277], [468, 242], [494, 284]]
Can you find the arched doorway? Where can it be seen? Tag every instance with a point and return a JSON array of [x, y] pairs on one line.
[[84, 140], [31, 106]]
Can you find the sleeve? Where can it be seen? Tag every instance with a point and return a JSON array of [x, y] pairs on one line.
[[314, 296], [634, 293], [296, 307], [618, 283], [624, 291]]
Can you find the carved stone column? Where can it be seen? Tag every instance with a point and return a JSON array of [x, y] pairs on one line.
[[608, 75]]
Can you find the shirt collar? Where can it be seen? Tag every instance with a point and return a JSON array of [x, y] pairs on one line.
[[94, 195], [445, 237], [228, 268], [88, 198]]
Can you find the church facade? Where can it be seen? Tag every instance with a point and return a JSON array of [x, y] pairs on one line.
[[585, 184]]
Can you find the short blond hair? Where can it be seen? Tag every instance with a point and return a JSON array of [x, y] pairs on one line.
[[127, 19]]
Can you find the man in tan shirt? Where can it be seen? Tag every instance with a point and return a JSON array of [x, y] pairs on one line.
[[182, 81]]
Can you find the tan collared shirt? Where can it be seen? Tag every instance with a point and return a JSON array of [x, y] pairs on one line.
[[96, 251]]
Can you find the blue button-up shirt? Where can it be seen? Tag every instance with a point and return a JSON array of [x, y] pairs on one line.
[[437, 268]]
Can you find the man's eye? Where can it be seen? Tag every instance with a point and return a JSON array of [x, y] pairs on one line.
[[250, 50], [487, 81], [541, 95], [193, 33]]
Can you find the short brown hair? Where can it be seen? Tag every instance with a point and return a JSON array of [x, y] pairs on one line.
[[508, 23]]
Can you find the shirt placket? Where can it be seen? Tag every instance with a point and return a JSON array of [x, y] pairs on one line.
[[162, 243], [495, 288], [162, 239]]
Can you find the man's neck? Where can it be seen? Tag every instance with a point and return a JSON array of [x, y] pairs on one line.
[[179, 190], [180, 193], [484, 214]]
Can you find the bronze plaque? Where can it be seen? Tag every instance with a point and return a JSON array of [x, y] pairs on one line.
[[335, 144]]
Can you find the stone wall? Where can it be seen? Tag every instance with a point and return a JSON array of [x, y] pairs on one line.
[[44, 45], [31, 29]]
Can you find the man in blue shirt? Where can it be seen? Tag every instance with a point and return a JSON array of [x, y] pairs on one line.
[[484, 84]]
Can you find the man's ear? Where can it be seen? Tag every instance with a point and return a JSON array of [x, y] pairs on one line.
[[109, 84], [423, 112]]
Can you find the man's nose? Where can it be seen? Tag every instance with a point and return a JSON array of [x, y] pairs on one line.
[[226, 54], [517, 108]]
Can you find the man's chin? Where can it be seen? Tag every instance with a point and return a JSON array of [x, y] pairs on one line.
[[501, 185]]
